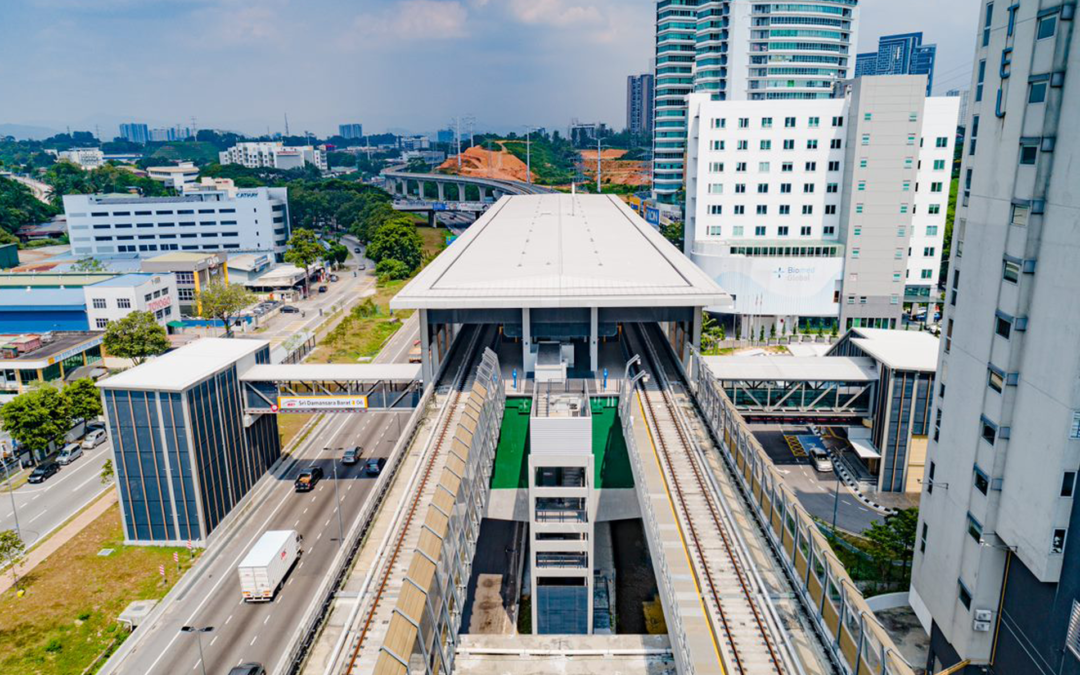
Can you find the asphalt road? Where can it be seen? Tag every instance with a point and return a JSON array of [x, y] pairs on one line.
[[261, 632], [43, 507]]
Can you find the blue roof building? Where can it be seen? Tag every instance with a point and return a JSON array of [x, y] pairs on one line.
[[39, 310]]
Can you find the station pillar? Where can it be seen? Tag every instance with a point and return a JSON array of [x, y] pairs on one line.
[[528, 363], [594, 339], [441, 187]]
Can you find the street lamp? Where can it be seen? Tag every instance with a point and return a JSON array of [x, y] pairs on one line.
[[198, 638], [598, 142], [337, 499], [528, 154], [11, 491]]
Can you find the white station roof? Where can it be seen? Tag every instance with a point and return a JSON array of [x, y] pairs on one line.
[[899, 349], [560, 250], [333, 372], [793, 368], [179, 369]]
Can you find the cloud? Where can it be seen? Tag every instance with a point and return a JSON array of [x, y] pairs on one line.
[[554, 12], [410, 20]]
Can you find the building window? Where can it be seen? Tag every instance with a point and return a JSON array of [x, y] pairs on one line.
[[716, 188], [922, 538], [740, 209], [719, 123], [763, 188], [814, 122], [1057, 542], [982, 481], [866, 139], [807, 188], [804, 230], [986, 23], [743, 145], [1047, 27], [939, 165], [763, 167], [785, 209], [942, 142], [740, 188], [782, 231], [123, 303], [933, 209], [101, 323], [737, 231], [835, 144], [964, 594], [811, 166], [931, 230], [854, 253], [715, 230], [99, 303], [948, 336], [787, 167], [1037, 92], [995, 380], [928, 251], [765, 145], [862, 186], [808, 210], [980, 81], [834, 165], [935, 187], [1003, 327], [714, 167], [759, 231], [927, 274], [789, 122], [744, 122], [974, 528], [789, 144], [1011, 272], [989, 431], [830, 209], [715, 209], [185, 294], [811, 144], [762, 209], [1020, 215], [1068, 484], [740, 167], [1029, 153], [785, 188], [766, 123]]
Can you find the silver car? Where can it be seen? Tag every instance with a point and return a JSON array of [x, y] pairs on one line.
[[70, 453], [94, 439]]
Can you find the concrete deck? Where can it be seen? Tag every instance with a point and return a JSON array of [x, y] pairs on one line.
[[564, 655]]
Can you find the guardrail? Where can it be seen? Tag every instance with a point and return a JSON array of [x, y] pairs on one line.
[[856, 641]]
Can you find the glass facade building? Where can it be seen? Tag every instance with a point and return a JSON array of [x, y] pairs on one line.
[[902, 54]]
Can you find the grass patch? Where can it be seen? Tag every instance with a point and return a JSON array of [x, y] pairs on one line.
[[434, 241], [364, 330], [68, 615], [289, 426]]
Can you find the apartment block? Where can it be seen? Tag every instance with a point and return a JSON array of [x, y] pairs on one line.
[[902, 54], [736, 50], [996, 576], [274, 155], [806, 213], [639, 104]]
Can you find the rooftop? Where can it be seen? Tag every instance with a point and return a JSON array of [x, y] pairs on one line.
[[899, 349], [125, 280], [182, 256], [179, 369], [335, 372], [41, 299], [560, 250], [21, 280], [61, 343], [793, 368]]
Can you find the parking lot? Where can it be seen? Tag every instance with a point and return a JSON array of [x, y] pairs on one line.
[[818, 492]]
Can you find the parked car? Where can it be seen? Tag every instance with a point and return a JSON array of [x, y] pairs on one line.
[[323, 289], [373, 467], [96, 424], [43, 472], [334, 277], [363, 266], [356, 249], [289, 309], [252, 668], [69, 453], [307, 479], [351, 455], [93, 439], [821, 461]]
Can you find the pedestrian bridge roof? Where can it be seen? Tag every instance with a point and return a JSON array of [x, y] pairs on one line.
[[793, 368], [560, 250], [333, 372]]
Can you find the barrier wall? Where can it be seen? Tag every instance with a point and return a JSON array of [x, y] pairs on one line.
[[858, 643]]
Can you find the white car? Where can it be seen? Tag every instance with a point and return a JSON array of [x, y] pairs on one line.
[[94, 439], [821, 461]]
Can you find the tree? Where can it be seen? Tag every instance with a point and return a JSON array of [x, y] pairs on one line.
[[82, 399], [36, 418], [106, 472], [391, 270], [12, 549], [339, 253], [304, 250], [137, 336], [89, 265], [397, 239], [222, 301], [893, 541]]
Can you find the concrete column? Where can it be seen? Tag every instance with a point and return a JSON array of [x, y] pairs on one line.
[[594, 339], [526, 343], [482, 190], [428, 370], [403, 188], [695, 336], [441, 187], [461, 192]]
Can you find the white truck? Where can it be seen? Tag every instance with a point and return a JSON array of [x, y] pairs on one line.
[[264, 568]]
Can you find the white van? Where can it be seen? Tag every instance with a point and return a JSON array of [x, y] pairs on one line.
[[94, 439], [821, 461], [70, 453]]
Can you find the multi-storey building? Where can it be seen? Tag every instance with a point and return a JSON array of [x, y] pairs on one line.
[[902, 54], [639, 104], [135, 133], [274, 155], [237, 220], [996, 575], [964, 95], [351, 131], [85, 158], [808, 213], [742, 50], [115, 298]]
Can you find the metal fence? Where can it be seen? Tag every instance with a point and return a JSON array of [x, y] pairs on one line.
[[857, 641]]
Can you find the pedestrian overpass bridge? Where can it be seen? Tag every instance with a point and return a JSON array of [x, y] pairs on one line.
[[330, 388]]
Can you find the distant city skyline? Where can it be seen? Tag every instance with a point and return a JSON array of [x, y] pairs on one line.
[[241, 65]]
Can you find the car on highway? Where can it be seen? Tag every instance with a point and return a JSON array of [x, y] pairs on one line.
[[93, 439], [374, 466], [70, 453], [289, 309], [415, 355], [252, 668], [351, 455], [43, 472], [307, 479], [821, 461]]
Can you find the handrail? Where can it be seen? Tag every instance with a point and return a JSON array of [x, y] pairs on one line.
[[955, 668]]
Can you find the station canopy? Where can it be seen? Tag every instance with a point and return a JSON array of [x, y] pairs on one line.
[[560, 251]]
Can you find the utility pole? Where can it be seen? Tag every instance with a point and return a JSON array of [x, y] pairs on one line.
[[598, 141], [528, 154], [286, 124], [11, 491]]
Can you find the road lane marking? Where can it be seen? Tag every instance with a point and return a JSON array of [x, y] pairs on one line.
[[230, 618], [38, 516], [197, 664], [214, 640], [252, 644], [267, 618], [296, 524]]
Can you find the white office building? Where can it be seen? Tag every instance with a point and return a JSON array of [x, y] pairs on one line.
[[85, 158], [996, 573], [177, 176], [737, 50], [805, 212], [115, 298], [246, 220], [274, 155]]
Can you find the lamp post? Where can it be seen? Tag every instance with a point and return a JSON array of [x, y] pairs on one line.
[[599, 140], [337, 499], [198, 638], [11, 491], [528, 154]]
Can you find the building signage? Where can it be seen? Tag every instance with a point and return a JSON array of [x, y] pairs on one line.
[[160, 303], [652, 215], [78, 349], [247, 195], [308, 404]]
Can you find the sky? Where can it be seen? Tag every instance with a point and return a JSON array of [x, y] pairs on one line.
[[389, 64]]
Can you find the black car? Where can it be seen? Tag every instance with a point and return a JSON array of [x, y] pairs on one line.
[[42, 472], [248, 669], [356, 249], [289, 309], [352, 455], [307, 479], [323, 289], [374, 466]]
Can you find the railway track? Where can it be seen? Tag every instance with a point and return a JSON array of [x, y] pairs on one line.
[[741, 627], [376, 613]]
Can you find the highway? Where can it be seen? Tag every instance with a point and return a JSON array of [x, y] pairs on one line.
[[45, 506], [261, 632]]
